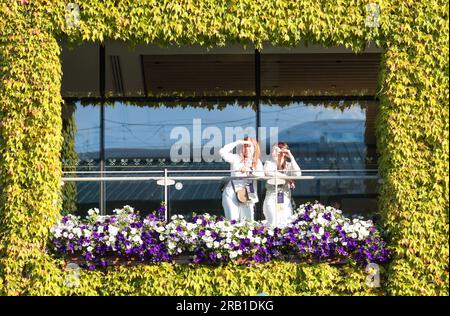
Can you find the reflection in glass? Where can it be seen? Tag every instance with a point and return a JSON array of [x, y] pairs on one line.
[[142, 137], [80, 152], [144, 196], [203, 196], [329, 138], [81, 129]]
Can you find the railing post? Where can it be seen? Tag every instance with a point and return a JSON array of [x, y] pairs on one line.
[[276, 196], [165, 194]]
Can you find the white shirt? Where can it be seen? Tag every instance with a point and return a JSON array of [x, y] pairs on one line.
[[237, 164], [292, 169]]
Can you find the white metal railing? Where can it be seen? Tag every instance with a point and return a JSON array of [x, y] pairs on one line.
[[209, 171], [165, 180]]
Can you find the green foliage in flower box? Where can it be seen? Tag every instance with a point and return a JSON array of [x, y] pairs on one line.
[[412, 127]]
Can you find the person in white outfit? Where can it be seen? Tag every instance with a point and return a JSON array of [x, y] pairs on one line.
[[245, 162], [277, 207]]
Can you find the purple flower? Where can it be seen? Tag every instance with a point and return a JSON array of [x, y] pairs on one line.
[[297, 239]]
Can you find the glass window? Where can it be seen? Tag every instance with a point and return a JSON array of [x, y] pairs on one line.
[[80, 154], [334, 141], [178, 136]]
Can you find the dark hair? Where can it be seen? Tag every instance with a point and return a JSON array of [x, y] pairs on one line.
[[283, 145]]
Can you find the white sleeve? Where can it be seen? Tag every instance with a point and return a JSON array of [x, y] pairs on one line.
[[294, 168], [227, 154], [259, 172], [270, 168]]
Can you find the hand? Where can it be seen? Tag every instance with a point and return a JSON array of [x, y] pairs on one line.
[[292, 185], [288, 153], [245, 142], [245, 169]]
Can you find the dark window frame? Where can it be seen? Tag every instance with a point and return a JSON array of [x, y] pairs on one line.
[[257, 98]]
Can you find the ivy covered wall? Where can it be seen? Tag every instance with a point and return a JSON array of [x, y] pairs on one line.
[[412, 127]]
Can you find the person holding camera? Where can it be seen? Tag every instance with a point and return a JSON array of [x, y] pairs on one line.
[[278, 203]]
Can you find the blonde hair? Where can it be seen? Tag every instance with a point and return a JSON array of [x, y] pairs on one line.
[[256, 152]]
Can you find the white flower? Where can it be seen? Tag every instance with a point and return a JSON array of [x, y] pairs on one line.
[[91, 212], [161, 237], [233, 254], [65, 234], [136, 238], [321, 231], [90, 248], [216, 244], [100, 229], [190, 226], [133, 231], [171, 245], [199, 221], [77, 231], [321, 220], [113, 230], [219, 255], [209, 245], [363, 232]]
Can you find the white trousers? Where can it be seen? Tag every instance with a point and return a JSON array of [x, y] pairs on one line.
[[234, 210], [277, 215]]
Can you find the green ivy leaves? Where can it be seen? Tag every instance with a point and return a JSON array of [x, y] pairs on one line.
[[412, 133]]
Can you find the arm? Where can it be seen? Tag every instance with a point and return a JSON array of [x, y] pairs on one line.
[[270, 168], [226, 152], [294, 168]]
